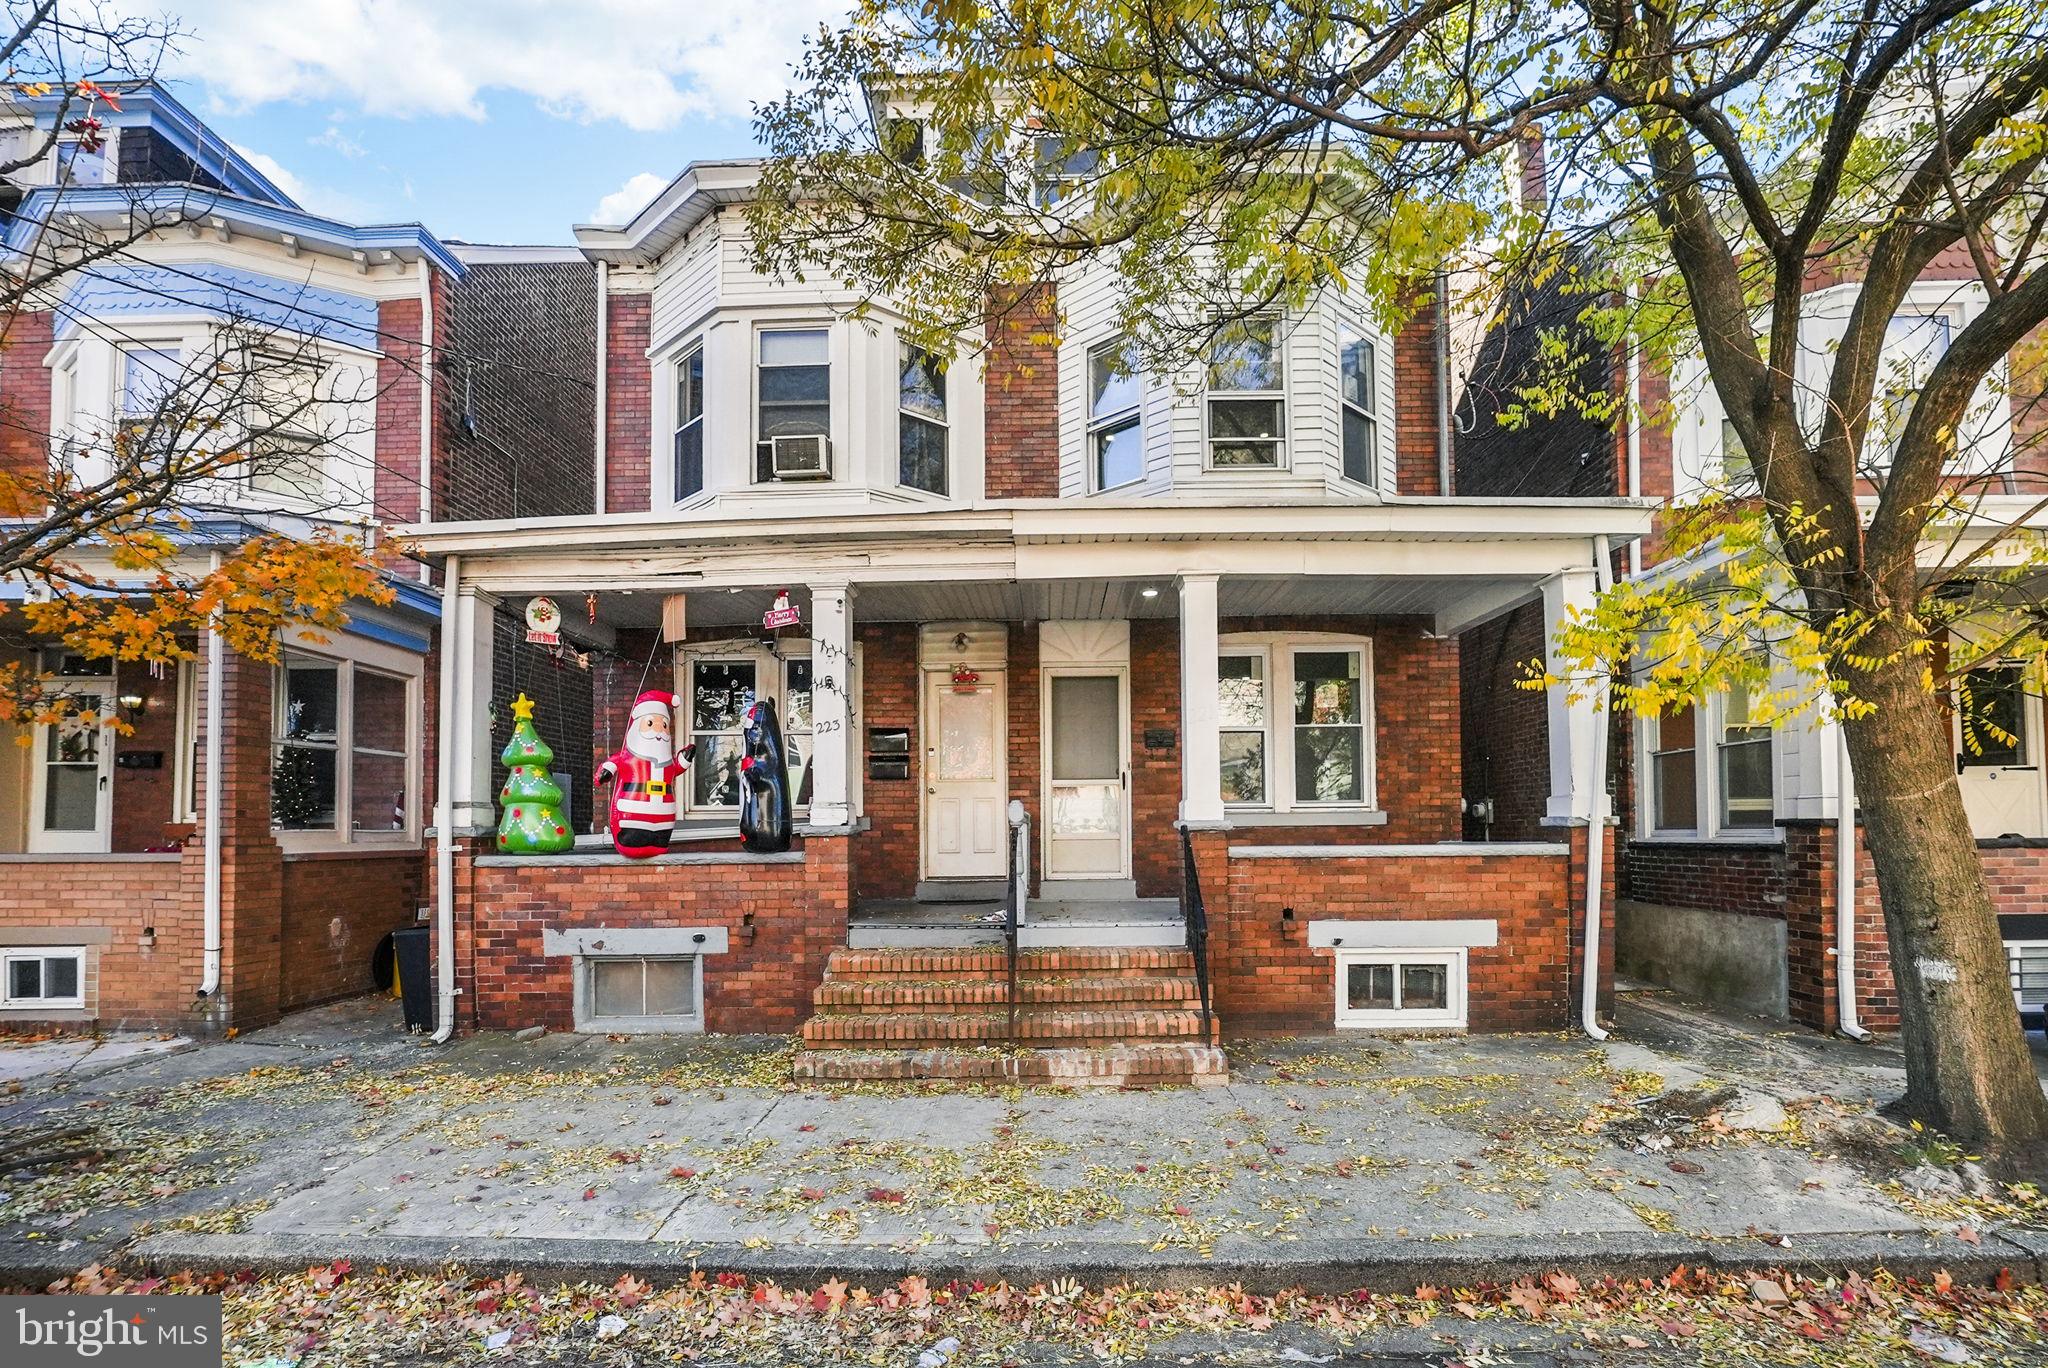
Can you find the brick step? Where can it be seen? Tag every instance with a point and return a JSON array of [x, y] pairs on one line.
[[911, 1030], [1115, 1066], [840, 996], [991, 963]]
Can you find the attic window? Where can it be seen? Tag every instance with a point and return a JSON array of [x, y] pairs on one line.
[[903, 140]]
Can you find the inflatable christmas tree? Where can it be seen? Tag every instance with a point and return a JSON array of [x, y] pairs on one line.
[[532, 821]]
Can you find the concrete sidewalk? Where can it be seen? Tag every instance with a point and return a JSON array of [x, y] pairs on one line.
[[1686, 1139]]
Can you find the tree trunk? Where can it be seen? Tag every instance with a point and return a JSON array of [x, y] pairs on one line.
[[1968, 1070]]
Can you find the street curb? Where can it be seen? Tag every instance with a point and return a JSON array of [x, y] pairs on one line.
[[1315, 1265]]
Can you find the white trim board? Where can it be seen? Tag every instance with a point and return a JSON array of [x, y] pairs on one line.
[[1468, 934], [635, 942]]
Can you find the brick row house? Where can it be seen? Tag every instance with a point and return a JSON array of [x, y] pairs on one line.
[[1162, 651], [1739, 847], [249, 839]]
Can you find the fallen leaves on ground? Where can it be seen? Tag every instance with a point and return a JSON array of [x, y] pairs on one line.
[[335, 1315]]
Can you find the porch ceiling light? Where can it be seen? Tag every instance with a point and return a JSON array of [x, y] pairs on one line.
[[1150, 591]]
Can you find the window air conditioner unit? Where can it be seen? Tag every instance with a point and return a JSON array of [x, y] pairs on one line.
[[808, 457]]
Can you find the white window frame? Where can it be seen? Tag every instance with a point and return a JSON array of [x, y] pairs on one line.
[[11, 954], [1264, 656], [585, 999], [1280, 650], [347, 655], [1348, 335], [1453, 1016], [185, 788], [1107, 424], [2013, 949], [693, 350], [944, 422], [1708, 730], [767, 665], [1282, 456], [832, 367]]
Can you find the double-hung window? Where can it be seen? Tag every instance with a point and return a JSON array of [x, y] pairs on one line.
[[1360, 402], [1294, 721], [1993, 717], [342, 745], [1116, 430], [921, 428], [689, 439], [286, 454], [42, 976], [793, 396], [1247, 401], [1245, 718], [150, 418], [1744, 767], [1674, 771]]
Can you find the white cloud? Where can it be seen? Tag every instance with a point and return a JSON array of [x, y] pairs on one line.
[[647, 64], [337, 140], [318, 198], [629, 199]]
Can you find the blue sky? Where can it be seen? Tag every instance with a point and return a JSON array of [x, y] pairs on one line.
[[489, 120]]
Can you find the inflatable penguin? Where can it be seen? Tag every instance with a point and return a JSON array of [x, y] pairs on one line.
[[765, 821]]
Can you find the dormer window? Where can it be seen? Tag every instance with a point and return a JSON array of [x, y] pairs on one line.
[[903, 140], [1062, 168], [689, 454], [921, 428], [793, 401], [83, 161], [1361, 410], [1116, 431], [1247, 401]]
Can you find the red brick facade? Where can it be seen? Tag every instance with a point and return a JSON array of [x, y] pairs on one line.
[[629, 403], [337, 907], [886, 854], [24, 398], [108, 905], [1022, 404], [782, 916]]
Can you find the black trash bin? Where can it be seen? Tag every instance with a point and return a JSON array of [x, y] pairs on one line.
[[414, 947]]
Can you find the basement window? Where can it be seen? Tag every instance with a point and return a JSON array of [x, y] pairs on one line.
[[1402, 989], [42, 978], [641, 994]]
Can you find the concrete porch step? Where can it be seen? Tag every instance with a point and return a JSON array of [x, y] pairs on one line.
[[880, 995], [912, 1030], [993, 963], [1117, 1066]]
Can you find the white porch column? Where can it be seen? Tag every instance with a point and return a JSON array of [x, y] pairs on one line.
[[1577, 795], [832, 710], [469, 637], [1201, 771]]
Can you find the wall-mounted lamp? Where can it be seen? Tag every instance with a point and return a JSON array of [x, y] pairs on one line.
[[132, 704]]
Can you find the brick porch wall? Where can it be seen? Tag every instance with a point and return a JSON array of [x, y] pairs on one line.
[[887, 852], [1719, 876], [783, 918], [106, 905], [1268, 979], [335, 910]]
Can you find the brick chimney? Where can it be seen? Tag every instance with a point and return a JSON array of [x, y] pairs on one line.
[[1023, 399]]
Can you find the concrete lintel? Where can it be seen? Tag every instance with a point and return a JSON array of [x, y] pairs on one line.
[[1450, 849], [634, 940]]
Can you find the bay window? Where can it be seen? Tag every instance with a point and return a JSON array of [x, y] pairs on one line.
[[689, 435], [1745, 763], [343, 746], [1247, 403], [1360, 404], [1295, 716], [150, 378], [1116, 430], [921, 427]]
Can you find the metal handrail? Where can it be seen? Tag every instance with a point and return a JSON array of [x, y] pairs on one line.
[[1195, 918], [1014, 893]]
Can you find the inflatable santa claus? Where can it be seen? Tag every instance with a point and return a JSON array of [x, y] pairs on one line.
[[645, 775]]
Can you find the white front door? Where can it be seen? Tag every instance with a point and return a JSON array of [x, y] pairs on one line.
[[1998, 754], [1087, 830], [72, 799], [964, 773]]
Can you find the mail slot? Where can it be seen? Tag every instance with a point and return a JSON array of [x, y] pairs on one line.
[[888, 753]]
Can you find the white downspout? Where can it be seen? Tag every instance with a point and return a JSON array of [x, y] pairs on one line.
[[597, 434], [1634, 408], [216, 676], [1596, 825], [1443, 384], [426, 362], [1845, 892], [444, 804]]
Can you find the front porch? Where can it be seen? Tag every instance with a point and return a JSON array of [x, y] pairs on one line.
[[1287, 717]]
